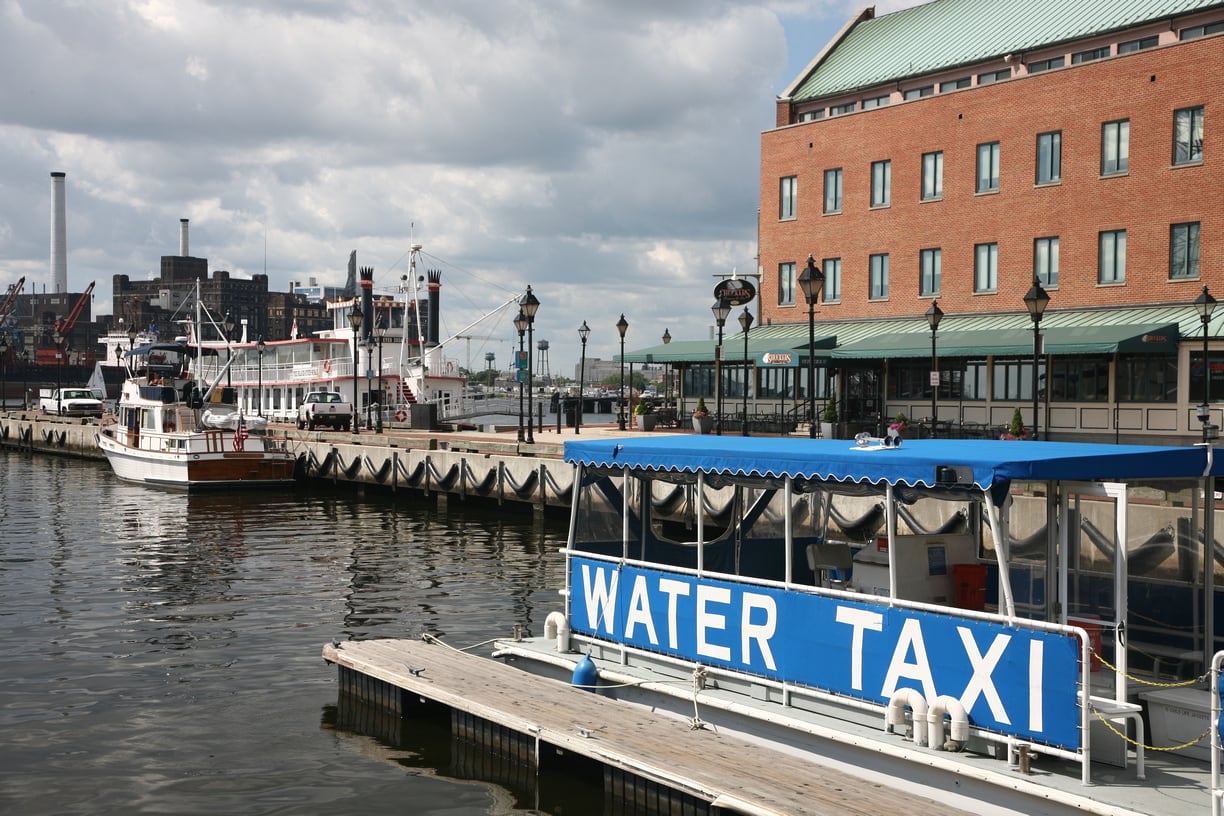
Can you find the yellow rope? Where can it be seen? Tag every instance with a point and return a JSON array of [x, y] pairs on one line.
[[1125, 738], [1144, 681]]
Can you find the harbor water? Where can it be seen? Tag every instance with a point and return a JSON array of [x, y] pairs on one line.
[[163, 649]]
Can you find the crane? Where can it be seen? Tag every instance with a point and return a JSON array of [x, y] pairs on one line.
[[468, 338], [65, 324], [10, 301]]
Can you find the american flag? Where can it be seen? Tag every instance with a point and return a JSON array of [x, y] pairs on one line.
[[240, 435]]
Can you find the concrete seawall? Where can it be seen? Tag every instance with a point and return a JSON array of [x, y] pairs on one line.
[[492, 465]]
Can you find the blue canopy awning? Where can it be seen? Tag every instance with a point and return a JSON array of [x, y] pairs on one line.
[[990, 465]]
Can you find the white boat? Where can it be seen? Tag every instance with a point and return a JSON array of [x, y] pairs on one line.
[[841, 600], [169, 432]]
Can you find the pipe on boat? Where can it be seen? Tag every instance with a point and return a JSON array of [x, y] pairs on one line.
[[947, 705], [895, 715], [556, 627]]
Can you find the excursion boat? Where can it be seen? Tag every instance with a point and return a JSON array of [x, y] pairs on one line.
[[170, 432], [1010, 627]]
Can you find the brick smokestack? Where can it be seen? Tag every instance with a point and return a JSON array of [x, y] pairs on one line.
[[59, 235]]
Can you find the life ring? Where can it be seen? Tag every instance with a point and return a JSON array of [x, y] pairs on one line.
[[401, 415], [450, 368], [327, 366]]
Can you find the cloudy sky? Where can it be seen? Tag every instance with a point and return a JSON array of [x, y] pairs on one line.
[[604, 151]]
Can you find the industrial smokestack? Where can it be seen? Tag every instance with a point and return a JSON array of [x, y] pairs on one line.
[[59, 236], [183, 238], [367, 302]]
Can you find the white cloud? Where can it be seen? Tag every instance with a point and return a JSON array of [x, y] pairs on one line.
[[605, 152]]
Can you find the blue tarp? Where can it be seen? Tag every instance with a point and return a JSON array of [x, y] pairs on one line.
[[987, 464]]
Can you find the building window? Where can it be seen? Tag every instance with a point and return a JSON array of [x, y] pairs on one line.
[[833, 191], [1148, 378], [1049, 157], [994, 76], [988, 167], [1115, 147], [812, 115], [930, 262], [875, 102], [1012, 380], [1188, 135], [932, 175], [1137, 45], [1045, 261], [1184, 250], [786, 284], [974, 382], [1194, 32], [832, 283], [838, 110], [1079, 379], [881, 183], [1111, 264], [879, 277], [986, 268], [787, 192], [955, 84], [1044, 65], [918, 93], [1090, 55]]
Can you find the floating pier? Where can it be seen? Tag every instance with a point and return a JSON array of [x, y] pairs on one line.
[[653, 763]]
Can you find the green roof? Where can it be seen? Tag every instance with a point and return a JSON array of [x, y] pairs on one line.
[[944, 34], [1129, 330]]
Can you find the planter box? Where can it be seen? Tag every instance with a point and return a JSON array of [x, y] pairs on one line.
[[646, 422], [703, 424]]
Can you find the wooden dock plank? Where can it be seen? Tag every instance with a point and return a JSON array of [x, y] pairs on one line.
[[702, 762]]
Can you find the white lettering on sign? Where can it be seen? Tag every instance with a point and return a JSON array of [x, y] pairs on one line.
[[776, 358], [860, 620], [981, 684], [919, 669]]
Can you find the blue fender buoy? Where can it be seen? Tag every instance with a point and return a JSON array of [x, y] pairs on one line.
[[586, 676], [1219, 723]]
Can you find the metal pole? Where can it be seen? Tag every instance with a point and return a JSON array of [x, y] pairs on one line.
[[1036, 355], [518, 376], [356, 355], [718, 381], [259, 395], [530, 386], [811, 370], [620, 406], [382, 396], [582, 334]]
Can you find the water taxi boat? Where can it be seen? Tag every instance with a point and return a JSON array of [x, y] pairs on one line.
[[1012, 627]]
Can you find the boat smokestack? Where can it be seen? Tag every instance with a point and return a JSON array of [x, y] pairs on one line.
[[435, 298], [59, 235], [183, 238], [367, 302]]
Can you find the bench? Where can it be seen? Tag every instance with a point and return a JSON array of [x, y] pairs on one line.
[[1119, 711]]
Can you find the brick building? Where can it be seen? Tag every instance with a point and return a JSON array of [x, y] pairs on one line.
[[955, 152]]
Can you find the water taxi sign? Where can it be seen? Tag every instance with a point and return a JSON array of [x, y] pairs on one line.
[[1010, 679]]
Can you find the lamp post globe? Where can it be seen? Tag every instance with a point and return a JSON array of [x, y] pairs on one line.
[[1036, 301], [622, 326], [811, 281]]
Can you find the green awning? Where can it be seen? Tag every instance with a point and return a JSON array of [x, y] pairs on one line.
[[702, 351], [1129, 338]]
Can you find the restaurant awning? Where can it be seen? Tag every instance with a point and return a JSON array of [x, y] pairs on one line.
[[702, 351], [1132, 338]]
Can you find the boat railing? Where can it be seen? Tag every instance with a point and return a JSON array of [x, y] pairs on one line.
[[1217, 785]]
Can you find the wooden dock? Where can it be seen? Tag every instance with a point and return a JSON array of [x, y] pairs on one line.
[[732, 775]]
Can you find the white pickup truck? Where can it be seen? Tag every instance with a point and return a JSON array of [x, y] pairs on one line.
[[71, 402], [328, 408]]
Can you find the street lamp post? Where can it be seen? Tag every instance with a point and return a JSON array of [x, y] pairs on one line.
[[381, 331], [933, 316], [370, 401], [622, 326], [25, 379], [520, 325], [745, 321], [667, 370], [1036, 300], [584, 331], [355, 324], [261, 347], [720, 309], [811, 281], [58, 339], [529, 305], [1205, 304]]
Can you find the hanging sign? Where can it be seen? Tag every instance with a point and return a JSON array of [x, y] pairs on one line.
[[734, 291]]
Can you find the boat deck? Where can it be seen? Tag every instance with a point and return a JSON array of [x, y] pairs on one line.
[[855, 743], [734, 774]]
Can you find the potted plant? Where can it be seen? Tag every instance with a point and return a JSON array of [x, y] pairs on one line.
[[645, 415], [828, 419], [1016, 429], [703, 423]]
